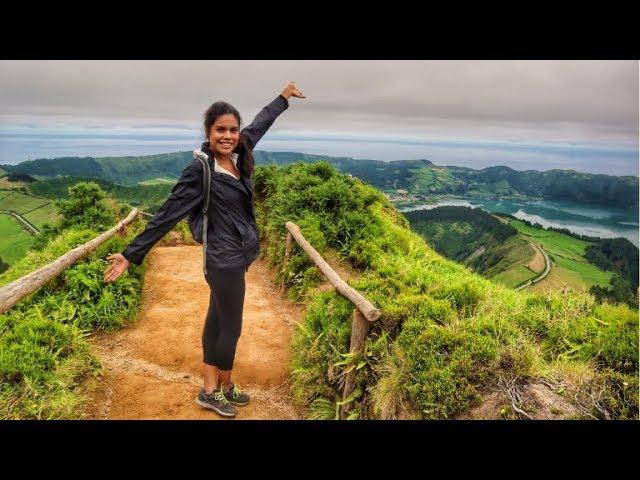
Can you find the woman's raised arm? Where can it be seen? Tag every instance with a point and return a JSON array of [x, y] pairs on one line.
[[259, 126]]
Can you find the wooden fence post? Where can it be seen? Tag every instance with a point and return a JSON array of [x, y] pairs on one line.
[[287, 254], [359, 331]]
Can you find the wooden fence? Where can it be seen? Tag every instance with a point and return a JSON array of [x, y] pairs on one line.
[[363, 313], [15, 291]]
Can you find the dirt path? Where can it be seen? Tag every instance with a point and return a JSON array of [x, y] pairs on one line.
[[152, 369]]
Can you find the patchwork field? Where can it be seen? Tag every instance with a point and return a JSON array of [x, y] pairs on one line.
[[513, 277], [21, 203], [570, 269], [554, 242], [42, 215], [14, 240], [35, 210]]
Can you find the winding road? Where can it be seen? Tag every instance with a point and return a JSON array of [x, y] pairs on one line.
[[542, 276]]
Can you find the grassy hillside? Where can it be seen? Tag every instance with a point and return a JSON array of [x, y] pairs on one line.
[[568, 253], [14, 240], [476, 239], [44, 354], [147, 196], [428, 180], [121, 170], [448, 339]]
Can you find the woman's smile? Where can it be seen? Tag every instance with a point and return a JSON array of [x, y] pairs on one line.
[[224, 134]]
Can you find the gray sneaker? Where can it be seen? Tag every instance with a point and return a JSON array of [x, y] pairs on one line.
[[236, 396], [217, 402]]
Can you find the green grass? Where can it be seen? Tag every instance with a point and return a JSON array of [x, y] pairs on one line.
[[20, 203], [516, 276], [589, 274], [44, 355], [45, 214], [431, 180], [554, 242], [568, 253], [14, 240]]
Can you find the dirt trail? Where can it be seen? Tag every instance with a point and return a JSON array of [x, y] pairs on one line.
[[152, 369]]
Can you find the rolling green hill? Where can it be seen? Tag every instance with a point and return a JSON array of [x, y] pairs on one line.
[[476, 239], [553, 184], [502, 252], [146, 196], [418, 177]]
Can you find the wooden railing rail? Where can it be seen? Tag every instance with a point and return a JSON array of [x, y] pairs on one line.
[[15, 291], [363, 314]]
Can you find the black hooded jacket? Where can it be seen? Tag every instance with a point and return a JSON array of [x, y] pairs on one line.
[[232, 236]]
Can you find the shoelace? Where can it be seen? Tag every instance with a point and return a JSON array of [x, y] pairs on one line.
[[219, 395], [236, 391]]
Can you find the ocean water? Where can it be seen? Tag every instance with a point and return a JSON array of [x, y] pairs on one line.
[[593, 220]]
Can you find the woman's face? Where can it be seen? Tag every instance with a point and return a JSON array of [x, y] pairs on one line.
[[224, 135]]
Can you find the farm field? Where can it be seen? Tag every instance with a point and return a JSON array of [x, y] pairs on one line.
[[589, 273], [42, 215], [21, 203], [35, 210], [554, 242], [570, 269], [7, 185], [14, 240], [513, 277]]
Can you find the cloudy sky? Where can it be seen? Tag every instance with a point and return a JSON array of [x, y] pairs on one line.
[[580, 115]]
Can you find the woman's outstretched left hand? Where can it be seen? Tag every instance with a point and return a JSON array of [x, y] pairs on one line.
[[292, 91]]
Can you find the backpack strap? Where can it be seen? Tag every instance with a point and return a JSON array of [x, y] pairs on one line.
[[206, 182]]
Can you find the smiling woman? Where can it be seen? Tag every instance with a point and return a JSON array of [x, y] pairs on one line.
[[231, 241]]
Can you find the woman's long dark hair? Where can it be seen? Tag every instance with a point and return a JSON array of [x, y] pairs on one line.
[[245, 156]]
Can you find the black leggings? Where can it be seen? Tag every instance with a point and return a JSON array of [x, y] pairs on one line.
[[224, 319]]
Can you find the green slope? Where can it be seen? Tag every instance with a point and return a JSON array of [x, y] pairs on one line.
[[146, 196], [476, 239], [14, 240]]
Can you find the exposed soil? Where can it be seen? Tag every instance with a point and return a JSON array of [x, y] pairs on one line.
[[152, 369], [539, 401]]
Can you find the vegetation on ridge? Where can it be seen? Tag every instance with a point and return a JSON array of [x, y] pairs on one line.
[[44, 354], [447, 337]]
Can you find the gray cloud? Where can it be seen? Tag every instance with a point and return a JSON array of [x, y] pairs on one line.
[[522, 100]]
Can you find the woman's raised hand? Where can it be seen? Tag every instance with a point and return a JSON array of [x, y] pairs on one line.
[[292, 91], [118, 265]]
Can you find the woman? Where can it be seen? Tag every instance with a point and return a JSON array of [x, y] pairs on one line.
[[232, 238]]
